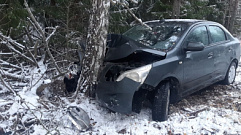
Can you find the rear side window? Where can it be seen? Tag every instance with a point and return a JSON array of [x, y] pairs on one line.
[[217, 34]]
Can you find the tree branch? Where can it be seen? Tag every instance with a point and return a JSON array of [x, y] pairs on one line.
[[131, 12], [29, 52], [8, 39], [21, 54], [5, 63], [45, 40]]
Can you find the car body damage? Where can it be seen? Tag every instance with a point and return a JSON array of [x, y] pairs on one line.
[[174, 59], [120, 46], [124, 54]]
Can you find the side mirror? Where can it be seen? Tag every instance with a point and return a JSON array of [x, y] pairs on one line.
[[194, 46]]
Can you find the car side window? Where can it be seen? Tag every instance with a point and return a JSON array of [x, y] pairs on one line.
[[217, 34], [199, 34]]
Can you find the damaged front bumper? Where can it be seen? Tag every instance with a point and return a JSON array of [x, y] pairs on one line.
[[117, 86], [117, 96]]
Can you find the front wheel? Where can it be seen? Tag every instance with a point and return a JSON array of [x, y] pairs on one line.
[[161, 102], [231, 74]]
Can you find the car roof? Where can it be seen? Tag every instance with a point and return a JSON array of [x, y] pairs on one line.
[[192, 21]]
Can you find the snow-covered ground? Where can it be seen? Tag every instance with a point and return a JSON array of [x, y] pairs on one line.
[[214, 110]]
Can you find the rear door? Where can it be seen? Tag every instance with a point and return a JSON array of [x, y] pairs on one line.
[[223, 52]]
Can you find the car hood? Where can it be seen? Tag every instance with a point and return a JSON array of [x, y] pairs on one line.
[[120, 47]]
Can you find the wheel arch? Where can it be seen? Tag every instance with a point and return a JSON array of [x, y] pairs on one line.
[[236, 62], [174, 88], [226, 80]]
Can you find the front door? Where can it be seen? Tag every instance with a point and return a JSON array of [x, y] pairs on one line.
[[198, 65]]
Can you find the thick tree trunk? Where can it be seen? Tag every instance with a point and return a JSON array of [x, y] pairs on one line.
[[176, 9], [96, 45]]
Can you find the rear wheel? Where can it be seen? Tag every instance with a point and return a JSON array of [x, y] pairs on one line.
[[161, 102], [231, 74]]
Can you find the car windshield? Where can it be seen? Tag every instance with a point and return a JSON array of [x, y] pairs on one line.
[[163, 36]]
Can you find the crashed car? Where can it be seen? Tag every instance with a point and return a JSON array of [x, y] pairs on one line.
[[164, 63]]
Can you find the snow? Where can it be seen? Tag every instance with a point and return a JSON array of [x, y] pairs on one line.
[[47, 81], [186, 117], [216, 120], [38, 130], [51, 34]]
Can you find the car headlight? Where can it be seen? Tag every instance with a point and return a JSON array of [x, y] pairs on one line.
[[138, 74]]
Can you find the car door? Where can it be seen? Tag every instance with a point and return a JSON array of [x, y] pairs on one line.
[[223, 51], [198, 65]]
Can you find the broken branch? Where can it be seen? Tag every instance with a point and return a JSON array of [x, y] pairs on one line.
[[196, 112], [45, 40]]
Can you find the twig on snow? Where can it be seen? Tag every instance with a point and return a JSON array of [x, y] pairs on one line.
[[22, 100], [196, 112]]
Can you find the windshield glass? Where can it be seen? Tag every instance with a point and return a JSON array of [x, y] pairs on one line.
[[163, 36]]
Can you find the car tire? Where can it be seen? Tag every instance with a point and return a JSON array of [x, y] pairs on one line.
[[231, 74], [161, 102]]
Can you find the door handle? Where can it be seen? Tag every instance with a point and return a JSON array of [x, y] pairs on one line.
[[210, 55], [229, 49]]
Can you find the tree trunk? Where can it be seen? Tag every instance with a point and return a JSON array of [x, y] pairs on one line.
[[176, 9], [225, 12], [95, 45], [231, 14], [233, 9]]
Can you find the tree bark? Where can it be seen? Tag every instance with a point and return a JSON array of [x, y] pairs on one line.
[[231, 14], [234, 8], [176, 9], [95, 46], [225, 12]]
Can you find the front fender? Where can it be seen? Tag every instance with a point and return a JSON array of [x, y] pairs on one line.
[[164, 69]]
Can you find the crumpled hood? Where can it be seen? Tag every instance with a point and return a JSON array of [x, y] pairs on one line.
[[120, 46]]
